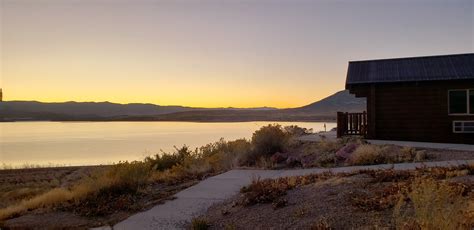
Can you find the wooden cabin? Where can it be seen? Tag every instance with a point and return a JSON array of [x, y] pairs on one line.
[[428, 99]]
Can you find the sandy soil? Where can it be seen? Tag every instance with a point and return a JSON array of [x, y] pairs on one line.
[[338, 203]]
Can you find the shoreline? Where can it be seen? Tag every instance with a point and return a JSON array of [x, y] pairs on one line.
[[189, 121], [46, 168]]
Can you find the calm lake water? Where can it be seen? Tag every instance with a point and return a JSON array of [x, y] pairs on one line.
[[92, 143]]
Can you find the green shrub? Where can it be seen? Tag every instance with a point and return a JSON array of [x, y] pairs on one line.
[[165, 161], [126, 176], [207, 160], [268, 140], [200, 224], [224, 155]]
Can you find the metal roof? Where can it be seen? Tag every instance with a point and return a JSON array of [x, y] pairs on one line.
[[429, 68]]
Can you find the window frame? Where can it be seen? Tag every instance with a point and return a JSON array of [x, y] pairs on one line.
[[468, 113], [454, 130]]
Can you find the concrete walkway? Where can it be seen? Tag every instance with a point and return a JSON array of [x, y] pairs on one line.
[[195, 200], [461, 147]]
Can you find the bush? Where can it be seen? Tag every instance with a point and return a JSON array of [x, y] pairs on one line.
[[296, 131], [264, 191], [199, 224], [435, 205], [125, 176], [367, 155], [224, 155], [165, 161], [207, 160], [271, 190], [268, 140]]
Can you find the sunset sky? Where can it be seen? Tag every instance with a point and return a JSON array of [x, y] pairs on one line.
[[213, 53]]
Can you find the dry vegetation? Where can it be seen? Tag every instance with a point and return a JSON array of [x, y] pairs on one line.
[[108, 194], [427, 198]]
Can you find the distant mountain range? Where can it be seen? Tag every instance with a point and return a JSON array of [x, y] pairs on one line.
[[324, 109]]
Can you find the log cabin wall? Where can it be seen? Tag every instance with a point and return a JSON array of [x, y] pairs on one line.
[[413, 111]]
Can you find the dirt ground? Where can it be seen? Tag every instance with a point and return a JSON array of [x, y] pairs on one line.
[[354, 202]]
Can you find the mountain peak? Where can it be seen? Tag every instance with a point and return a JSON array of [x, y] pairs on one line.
[[341, 101]]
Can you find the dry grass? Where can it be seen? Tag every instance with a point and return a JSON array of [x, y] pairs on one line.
[[370, 195], [200, 224], [367, 154], [119, 178], [47, 199], [4, 166], [321, 224], [434, 204], [333, 153], [270, 190]]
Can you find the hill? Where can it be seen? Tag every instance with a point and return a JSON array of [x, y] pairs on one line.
[[324, 109], [340, 101]]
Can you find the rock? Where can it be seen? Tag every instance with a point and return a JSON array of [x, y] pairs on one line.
[[345, 152], [278, 157]]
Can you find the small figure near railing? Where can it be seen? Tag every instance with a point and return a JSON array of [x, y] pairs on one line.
[[351, 124]]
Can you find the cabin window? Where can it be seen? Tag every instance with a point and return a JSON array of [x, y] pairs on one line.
[[461, 101], [458, 101], [471, 101], [463, 126]]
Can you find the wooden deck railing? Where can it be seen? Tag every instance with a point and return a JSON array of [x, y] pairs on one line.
[[351, 124]]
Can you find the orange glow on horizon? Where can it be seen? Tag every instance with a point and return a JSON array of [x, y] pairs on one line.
[[204, 101], [213, 54]]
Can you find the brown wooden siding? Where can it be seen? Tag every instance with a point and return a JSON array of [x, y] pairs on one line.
[[415, 111]]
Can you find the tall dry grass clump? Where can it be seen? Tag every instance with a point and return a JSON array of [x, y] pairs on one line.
[[124, 177], [367, 154], [50, 198], [431, 204]]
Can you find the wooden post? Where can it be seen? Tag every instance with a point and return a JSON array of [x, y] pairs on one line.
[[339, 116], [371, 113]]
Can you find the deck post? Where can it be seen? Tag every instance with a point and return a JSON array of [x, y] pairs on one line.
[[340, 116]]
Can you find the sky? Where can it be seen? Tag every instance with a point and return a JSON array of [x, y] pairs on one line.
[[213, 53]]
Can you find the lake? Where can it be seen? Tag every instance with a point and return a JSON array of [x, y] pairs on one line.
[[93, 143]]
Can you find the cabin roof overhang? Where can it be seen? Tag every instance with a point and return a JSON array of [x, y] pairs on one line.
[[452, 67]]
